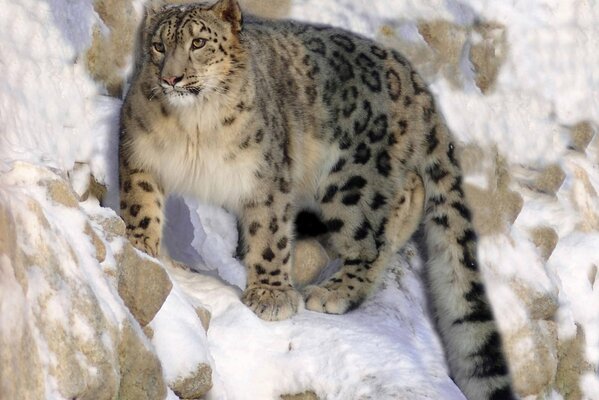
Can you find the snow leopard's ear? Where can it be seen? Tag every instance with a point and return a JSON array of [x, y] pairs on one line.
[[229, 11], [148, 16], [151, 10]]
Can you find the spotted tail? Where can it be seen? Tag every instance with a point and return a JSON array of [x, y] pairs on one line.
[[465, 320]]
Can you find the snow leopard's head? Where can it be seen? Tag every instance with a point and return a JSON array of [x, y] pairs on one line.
[[193, 50]]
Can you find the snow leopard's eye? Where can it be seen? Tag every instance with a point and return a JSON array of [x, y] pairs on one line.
[[198, 43], [159, 47]]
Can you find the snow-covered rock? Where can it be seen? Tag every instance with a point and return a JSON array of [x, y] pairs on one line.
[[179, 338], [64, 330], [142, 283], [74, 298]]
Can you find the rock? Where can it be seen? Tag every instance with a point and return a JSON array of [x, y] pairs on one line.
[[581, 135], [112, 227], [175, 263], [445, 37], [58, 330], [148, 331], [539, 305], [109, 54], [97, 242], [97, 189], [572, 365], [495, 207], [195, 385], [61, 193], [176, 325], [141, 372], [545, 239], [584, 197], [592, 275], [549, 180], [474, 158], [271, 9], [309, 259], [444, 45], [22, 372], [532, 356], [204, 315], [61, 315], [487, 53], [142, 284], [85, 184], [494, 211], [307, 395], [447, 40], [511, 204], [79, 180]]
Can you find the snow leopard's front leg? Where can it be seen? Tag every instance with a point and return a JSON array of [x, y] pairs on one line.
[[266, 250], [141, 206]]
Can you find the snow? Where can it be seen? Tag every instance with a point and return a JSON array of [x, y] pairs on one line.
[[63, 230], [215, 238], [579, 296], [36, 125], [178, 330], [386, 349], [53, 114]]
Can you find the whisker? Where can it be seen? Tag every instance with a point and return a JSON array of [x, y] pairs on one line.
[[155, 91]]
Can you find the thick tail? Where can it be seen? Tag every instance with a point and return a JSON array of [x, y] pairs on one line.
[[467, 326]]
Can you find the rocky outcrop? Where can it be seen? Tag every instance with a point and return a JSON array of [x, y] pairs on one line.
[[533, 358], [487, 53], [307, 395], [65, 325], [545, 239], [549, 179], [179, 326], [142, 284], [497, 205], [572, 365], [194, 385], [581, 135], [445, 44], [109, 57], [82, 295], [140, 370]]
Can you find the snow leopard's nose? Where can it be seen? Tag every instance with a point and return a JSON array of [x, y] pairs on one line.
[[172, 80]]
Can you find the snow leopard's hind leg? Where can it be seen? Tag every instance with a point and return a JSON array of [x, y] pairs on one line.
[[358, 235]]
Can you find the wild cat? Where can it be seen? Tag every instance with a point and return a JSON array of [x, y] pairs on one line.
[[268, 118]]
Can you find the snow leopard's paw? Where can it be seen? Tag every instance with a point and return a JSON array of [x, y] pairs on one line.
[[272, 304], [332, 298]]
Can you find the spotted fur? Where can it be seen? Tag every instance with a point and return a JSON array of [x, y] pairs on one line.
[[271, 118]]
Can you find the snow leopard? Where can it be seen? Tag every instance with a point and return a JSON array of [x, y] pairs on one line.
[[281, 123]]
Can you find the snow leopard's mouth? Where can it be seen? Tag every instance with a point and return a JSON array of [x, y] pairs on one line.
[[180, 91], [182, 97]]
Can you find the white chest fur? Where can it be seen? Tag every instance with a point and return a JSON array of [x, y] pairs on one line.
[[214, 174]]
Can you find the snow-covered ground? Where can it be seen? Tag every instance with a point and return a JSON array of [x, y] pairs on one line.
[[53, 114]]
